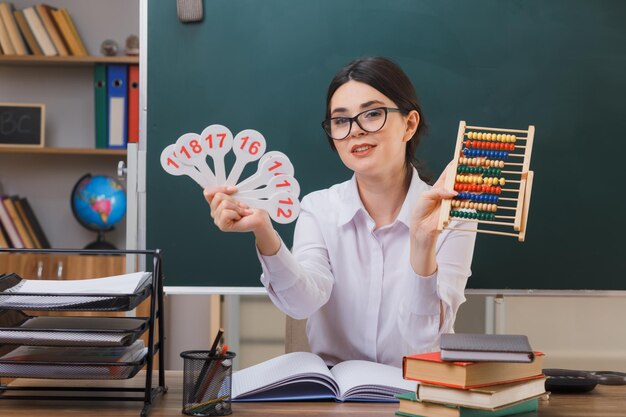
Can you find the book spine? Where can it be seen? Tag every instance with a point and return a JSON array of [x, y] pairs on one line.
[[17, 221], [68, 36], [70, 22], [32, 218], [29, 228], [9, 227], [5, 41], [523, 407], [40, 32], [4, 242], [28, 34], [45, 15], [13, 31]]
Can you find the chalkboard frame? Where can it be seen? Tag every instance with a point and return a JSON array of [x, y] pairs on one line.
[[40, 143]]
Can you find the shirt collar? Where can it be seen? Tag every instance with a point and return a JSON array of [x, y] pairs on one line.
[[351, 202]]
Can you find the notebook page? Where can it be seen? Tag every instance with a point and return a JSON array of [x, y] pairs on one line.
[[364, 378], [274, 372]]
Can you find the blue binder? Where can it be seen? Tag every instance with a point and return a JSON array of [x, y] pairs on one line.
[[117, 78]]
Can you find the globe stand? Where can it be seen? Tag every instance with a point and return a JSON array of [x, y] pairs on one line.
[[100, 243]]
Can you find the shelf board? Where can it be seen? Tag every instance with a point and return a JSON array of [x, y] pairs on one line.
[[61, 151], [66, 60]]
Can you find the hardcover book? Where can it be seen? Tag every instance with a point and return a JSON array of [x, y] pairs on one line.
[[6, 14], [429, 368], [38, 29], [486, 398], [485, 347], [410, 407], [45, 14], [27, 32]]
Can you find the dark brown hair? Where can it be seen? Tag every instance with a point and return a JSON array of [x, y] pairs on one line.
[[387, 77]]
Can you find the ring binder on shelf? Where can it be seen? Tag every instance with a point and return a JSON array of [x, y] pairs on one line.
[[81, 347]]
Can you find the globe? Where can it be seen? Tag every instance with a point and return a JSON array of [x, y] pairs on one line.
[[98, 203]]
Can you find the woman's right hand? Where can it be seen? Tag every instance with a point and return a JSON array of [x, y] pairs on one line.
[[231, 215]]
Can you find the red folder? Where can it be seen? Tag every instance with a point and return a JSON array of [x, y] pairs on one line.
[[133, 103]]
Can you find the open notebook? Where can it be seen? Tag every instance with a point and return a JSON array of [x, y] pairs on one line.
[[304, 376]]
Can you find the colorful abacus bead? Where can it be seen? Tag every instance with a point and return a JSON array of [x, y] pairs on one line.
[[472, 215], [484, 153], [464, 169], [492, 137], [474, 206], [485, 198]]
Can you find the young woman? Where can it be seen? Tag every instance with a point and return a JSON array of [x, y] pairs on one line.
[[368, 268]]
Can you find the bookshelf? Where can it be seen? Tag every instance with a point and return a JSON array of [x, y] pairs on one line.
[[62, 151], [66, 60], [46, 175]]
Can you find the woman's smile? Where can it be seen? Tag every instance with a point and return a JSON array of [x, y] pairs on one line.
[[362, 149]]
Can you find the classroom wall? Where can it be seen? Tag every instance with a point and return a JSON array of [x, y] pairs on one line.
[[576, 333]]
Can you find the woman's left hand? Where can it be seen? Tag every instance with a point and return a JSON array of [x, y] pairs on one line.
[[425, 214]]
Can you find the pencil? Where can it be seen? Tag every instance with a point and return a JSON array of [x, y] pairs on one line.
[[205, 367], [211, 374]]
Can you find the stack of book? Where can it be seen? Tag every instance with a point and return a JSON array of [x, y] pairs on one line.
[[39, 30], [19, 227], [503, 378]]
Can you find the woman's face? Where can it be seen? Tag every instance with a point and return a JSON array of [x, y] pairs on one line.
[[379, 153]]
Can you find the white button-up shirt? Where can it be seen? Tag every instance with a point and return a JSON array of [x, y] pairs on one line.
[[355, 283]]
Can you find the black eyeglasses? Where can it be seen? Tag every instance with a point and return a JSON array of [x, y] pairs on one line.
[[371, 120]]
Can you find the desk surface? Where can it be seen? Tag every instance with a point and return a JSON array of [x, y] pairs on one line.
[[604, 401]]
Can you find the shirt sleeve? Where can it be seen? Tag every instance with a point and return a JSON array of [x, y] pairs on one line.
[[301, 281], [420, 309]]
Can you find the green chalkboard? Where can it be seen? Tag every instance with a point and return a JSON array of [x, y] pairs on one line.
[[559, 65]]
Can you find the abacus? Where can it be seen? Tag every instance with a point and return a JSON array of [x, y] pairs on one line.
[[493, 181]]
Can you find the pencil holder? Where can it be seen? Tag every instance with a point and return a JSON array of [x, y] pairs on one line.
[[207, 383]]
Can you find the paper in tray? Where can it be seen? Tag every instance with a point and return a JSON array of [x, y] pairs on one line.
[[17, 328], [100, 294]]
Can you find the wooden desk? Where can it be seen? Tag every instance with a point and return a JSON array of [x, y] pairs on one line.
[[604, 401]]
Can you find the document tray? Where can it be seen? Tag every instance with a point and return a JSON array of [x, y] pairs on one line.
[[17, 328], [69, 301], [71, 370]]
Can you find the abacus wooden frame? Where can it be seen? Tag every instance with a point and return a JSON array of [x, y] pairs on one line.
[[523, 195]]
